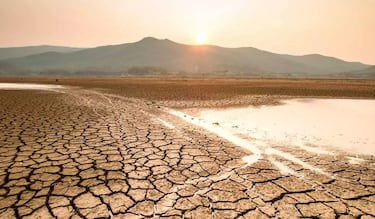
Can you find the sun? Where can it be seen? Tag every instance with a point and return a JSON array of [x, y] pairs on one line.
[[200, 38]]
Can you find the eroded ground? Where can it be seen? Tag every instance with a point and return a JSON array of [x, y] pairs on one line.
[[86, 153]]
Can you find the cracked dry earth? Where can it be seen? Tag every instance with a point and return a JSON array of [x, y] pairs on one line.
[[85, 154]]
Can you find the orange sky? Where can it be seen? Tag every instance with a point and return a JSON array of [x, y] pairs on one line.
[[340, 28]]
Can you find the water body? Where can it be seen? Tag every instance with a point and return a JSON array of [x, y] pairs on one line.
[[316, 125], [27, 86]]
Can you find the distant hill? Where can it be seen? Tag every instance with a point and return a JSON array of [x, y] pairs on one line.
[[6, 67], [368, 73], [370, 69], [325, 63], [16, 52], [181, 59]]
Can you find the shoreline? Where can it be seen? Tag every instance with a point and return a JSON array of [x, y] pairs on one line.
[[167, 89]]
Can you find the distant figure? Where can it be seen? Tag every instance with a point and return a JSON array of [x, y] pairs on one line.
[[56, 80]]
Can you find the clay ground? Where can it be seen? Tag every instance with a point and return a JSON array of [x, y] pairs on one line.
[[106, 148]]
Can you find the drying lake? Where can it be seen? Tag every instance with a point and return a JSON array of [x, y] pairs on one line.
[[102, 148], [312, 124]]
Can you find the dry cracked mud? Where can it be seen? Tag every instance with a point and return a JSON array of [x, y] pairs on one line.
[[82, 153]]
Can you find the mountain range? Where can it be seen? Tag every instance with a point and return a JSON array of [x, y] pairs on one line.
[[151, 56], [16, 52]]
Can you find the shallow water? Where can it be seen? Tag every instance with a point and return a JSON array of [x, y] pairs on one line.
[[24, 86], [316, 125]]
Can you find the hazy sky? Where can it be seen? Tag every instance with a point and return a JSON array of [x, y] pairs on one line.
[[340, 28]]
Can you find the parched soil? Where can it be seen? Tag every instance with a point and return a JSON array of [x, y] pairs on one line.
[[107, 151]]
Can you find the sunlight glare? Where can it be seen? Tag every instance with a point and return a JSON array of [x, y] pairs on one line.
[[200, 38]]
